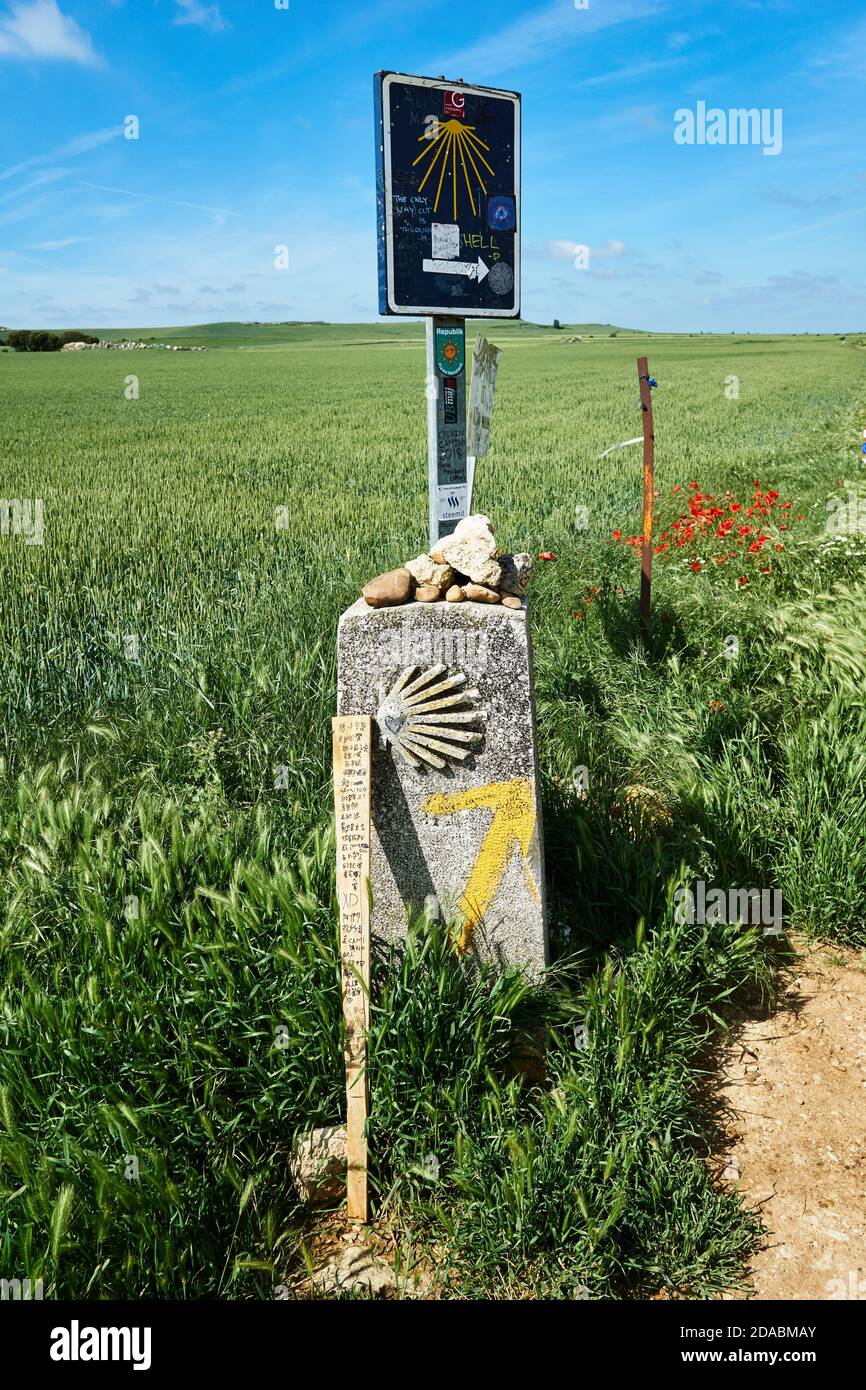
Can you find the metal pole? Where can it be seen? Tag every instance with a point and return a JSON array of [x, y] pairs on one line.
[[646, 568], [446, 424]]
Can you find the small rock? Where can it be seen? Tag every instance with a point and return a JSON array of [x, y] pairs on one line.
[[352, 1268], [480, 593], [432, 910], [455, 594], [426, 570], [511, 601], [389, 590], [472, 551], [437, 557], [428, 593], [478, 524], [318, 1164], [516, 573]]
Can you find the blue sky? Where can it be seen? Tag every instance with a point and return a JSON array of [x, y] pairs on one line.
[[256, 132]]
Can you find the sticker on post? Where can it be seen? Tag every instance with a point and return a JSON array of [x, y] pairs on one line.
[[501, 213], [452, 502], [446, 241], [450, 350]]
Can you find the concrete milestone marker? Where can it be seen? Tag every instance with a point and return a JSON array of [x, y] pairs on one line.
[[455, 797]]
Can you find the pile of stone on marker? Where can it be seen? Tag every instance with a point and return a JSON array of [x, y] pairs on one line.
[[462, 566]]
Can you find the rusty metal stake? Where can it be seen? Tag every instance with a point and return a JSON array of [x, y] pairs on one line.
[[646, 567]]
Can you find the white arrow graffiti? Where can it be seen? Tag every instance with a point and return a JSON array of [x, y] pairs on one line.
[[475, 272]]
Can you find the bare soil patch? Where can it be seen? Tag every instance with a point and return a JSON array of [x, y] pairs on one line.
[[793, 1087]]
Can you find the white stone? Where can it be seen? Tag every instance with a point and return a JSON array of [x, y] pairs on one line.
[[475, 525], [473, 554], [427, 571], [318, 1164], [355, 1267]]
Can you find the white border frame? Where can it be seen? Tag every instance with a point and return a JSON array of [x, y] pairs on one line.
[[436, 84]]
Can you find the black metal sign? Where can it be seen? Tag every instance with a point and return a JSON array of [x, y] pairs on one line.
[[448, 197]]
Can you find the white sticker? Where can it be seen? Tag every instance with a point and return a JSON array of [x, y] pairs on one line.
[[452, 502], [446, 241]]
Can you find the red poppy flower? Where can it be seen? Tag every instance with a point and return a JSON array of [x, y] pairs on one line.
[[617, 535], [742, 580], [678, 488], [696, 565]]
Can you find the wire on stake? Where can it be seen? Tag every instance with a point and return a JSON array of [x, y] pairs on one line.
[[647, 383], [647, 438]]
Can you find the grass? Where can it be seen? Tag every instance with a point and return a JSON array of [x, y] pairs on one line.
[[169, 986]]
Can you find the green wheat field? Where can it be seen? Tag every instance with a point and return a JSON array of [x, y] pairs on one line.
[[169, 979]]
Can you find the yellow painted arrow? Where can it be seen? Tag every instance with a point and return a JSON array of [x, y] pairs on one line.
[[513, 823]]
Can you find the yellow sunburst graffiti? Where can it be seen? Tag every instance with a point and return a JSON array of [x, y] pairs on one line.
[[454, 140]]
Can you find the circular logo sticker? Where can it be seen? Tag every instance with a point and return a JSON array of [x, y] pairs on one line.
[[501, 278]]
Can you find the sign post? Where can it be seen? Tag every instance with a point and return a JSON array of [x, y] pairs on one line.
[[446, 424], [646, 568], [352, 744], [448, 204]]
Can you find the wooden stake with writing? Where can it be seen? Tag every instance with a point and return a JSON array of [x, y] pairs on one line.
[[646, 567], [352, 740]]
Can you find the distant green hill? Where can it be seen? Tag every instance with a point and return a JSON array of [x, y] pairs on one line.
[[264, 336], [234, 335]]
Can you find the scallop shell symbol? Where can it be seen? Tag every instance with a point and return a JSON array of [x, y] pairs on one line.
[[427, 717]]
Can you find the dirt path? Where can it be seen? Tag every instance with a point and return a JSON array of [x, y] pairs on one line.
[[794, 1092]]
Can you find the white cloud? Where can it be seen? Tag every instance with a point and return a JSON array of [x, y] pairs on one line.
[[38, 182], [845, 54], [91, 140], [814, 226], [632, 73], [220, 213], [98, 283], [206, 16], [567, 250], [40, 29], [543, 33], [56, 245]]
